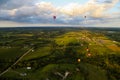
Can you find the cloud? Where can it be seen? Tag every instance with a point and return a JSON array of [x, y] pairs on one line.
[[28, 13], [103, 1], [13, 4], [3, 1], [91, 8], [42, 12]]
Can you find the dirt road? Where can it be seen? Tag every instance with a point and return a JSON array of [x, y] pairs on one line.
[[16, 62]]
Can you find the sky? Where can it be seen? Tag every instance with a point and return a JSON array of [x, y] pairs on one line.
[[99, 13]]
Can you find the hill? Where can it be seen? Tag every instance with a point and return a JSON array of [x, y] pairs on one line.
[[71, 55]]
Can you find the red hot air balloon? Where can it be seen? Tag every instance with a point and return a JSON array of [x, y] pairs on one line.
[[54, 17]]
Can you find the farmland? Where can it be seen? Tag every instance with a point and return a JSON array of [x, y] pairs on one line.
[[60, 53]]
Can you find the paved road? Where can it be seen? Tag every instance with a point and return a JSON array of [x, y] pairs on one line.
[[16, 62]]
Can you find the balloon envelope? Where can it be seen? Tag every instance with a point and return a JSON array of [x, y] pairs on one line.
[[79, 60], [54, 17]]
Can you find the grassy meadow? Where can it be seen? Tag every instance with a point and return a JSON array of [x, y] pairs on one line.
[[60, 54]]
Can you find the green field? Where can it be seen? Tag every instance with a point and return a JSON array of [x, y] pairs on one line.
[[40, 52], [85, 71], [11, 53], [60, 54]]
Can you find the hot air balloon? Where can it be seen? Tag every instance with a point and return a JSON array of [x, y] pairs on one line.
[[54, 17], [87, 49], [78, 60], [88, 55], [85, 19]]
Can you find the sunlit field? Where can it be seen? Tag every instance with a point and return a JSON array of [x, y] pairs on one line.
[[59, 54]]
